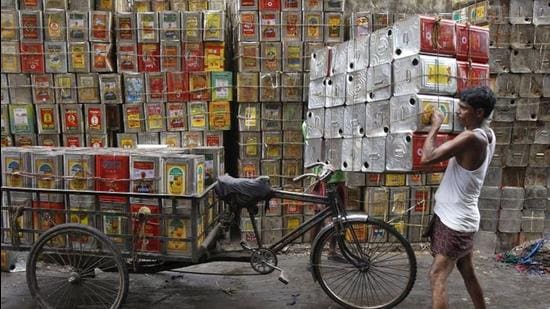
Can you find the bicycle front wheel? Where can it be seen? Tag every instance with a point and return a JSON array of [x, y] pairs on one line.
[[364, 263]]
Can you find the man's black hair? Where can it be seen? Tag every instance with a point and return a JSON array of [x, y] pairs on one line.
[[479, 97]]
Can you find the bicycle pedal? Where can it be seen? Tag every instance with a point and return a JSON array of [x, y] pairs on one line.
[[245, 246], [282, 276]]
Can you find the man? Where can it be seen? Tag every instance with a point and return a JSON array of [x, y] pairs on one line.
[[456, 216]]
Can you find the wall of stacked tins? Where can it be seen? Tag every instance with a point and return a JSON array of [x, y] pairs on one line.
[[103, 73], [515, 200]]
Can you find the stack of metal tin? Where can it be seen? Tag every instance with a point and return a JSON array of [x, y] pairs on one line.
[[59, 67], [370, 103], [272, 44], [514, 201], [176, 172]]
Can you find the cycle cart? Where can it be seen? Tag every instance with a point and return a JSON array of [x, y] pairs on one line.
[[359, 262]]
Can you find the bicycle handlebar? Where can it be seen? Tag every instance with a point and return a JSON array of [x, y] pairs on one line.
[[327, 171]]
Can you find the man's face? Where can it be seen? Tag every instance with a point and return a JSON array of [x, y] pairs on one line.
[[466, 113]]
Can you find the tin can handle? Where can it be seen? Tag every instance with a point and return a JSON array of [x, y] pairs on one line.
[[406, 38], [408, 75]]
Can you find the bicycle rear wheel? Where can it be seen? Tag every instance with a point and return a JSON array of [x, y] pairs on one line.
[[76, 266], [366, 265]]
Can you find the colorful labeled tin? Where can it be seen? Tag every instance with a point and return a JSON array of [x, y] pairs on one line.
[[126, 27], [101, 60], [155, 87], [71, 118], [43, 90], [56, 57], [222, 86], [148, 57], [176, 116], [214, 26], [100, 26], [127, 58], [31, 30], [193, 56], [154, 117], [48, 119], [169, 26], [199, 86], [214, 56], [249, 57], [21, 118], [10, 57], [32, 58], [219, 115], [79, 58], [191, 24], [133, 117], [198, 115], [110, 88], [95, 118], [177, 84], [134, 88], [170, 56], [88, 87], [54, 22]]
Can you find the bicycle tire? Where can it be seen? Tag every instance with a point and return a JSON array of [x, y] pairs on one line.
[[75, 271], [364, 269]]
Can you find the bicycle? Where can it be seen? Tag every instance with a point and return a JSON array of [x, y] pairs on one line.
[[375, 266]]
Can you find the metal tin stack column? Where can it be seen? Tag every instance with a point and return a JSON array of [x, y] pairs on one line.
[[514, 201], [272, 44]]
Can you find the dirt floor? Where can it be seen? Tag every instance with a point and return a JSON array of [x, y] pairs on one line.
[[504, 287]]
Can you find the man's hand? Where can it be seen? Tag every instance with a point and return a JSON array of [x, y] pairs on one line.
[[437, 119]]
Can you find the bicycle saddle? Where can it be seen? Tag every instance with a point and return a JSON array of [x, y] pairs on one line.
[[258, 189]]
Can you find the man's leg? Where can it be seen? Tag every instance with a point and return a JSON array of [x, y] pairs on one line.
[[466, 268], [439, 273]]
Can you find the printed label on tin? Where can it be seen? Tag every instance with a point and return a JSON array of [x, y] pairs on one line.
[[143, 176], [31, 27], [100, 23], [219, 116], [32, 60], [72, 122], [125, 28], [47, 118], [170, 57], [43, 89], [79, 57], [13, 167], [192, 27], [21, 118], [439, 74], [176, 116], [96, 141], [154, 116], [95, 115], [87, 89], [56, 26], [177, 178], [133, 117], [177, 229], [78, 171], [200, 177], [213, 26], [9, 26], [198, 115], [134, 89], [45, 168]]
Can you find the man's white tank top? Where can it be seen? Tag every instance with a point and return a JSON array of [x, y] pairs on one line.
[[457, 196]]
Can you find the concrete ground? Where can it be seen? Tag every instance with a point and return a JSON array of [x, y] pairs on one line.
[[504, 287]]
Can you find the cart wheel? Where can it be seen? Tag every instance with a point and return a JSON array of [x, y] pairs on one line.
[[67, 267]]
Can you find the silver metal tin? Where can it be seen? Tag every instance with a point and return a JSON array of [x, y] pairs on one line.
[[47, 118], [512, 198], [541, 13], [102, 60], [517, 155], [499, 60], [291, 26], [24, 140], [77, 26], [271, 56], [542, 133], [319, 63], [509, 221], [127, 57], [110, 88], [521, 12], [334, 122], [155, 87], [134, 88], [170, 26], [354, 120], [176, 116], [334, 27], [95, 118], [507, 85], [249, 57], [336, 90], [522, 36], [31, 32], [48, 168], [214, 25], [247, 87], [314, 151], [309, 48], [249, 116], [356, 86], [503, 132], [248, 26], [399, 201], [71, 119], [505, 110], [546, 86], [42, 89], [312, 26], [373, 154], [65, 91], [333, 5], [291, 87], [413, 112], [399, 152], [100, 26], [539, 156], [381, 47], [10, 57], [333, 151], [272, 145], [360, 24], [317, 93], [270, 87], [148, 27], [271, 116], [379, 82], [414, 74], [499, 35], [542, 36], [541, 59], [489, 198], [270, 26], [523, 132], [292, 57], [521, 60], [305, 87], [171, 139], [347, 154], [10, 22], [125, 24], [154, 117], [149, 138], [339, 58], [55, 4], [79, 57], [55, 57], [20, 88], [358, 54], [55, 25], [315, 123], [197, 112], [527, 109], [81, 5], [377, 120], [127, 140], [536, 176], [133, 117]]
